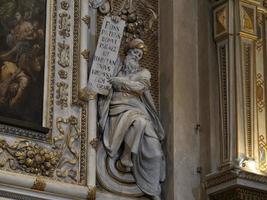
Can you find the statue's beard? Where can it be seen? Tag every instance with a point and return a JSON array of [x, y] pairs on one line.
[[130, 65]]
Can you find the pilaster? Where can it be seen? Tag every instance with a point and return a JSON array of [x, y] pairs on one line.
[[240, 35]]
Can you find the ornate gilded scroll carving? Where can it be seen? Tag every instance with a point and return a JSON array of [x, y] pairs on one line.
[[66, 140], [28, 157]]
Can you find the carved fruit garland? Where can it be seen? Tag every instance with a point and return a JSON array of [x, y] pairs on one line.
[[29, 157], [61, 160]]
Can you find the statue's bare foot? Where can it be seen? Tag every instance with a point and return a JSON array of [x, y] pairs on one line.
[[127, 161], [155, 198], [122, 168]]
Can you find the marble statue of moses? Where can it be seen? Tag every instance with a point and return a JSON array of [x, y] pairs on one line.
[[128, 119]]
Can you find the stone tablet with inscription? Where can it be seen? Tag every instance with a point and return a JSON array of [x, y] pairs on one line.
[[106, 55]]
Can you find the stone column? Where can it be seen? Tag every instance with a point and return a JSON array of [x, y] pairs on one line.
[[179, 96]]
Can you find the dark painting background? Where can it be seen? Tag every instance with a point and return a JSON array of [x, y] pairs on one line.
[[22, 60]]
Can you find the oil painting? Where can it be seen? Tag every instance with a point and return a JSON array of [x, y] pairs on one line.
[[22, 60]]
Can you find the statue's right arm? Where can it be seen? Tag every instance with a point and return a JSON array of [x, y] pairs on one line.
[[139, 85]]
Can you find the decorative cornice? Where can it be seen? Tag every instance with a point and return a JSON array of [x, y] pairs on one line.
[[231, 174]]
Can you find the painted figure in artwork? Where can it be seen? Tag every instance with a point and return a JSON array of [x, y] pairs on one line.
[[22, 56], [13, 83], [129, 121]]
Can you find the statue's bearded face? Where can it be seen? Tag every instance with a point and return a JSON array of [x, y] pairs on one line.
[[132, 60], [136, 54]]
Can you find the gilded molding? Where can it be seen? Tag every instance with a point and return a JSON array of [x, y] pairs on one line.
[[252, 2], [95, 143], [19, 132], [248, 36], [86, 95], [87, 20], [86, 54], [91, 193], [76, 55], [84, 133], [51, 85], [247, 54], [39, 184], [222, 50]]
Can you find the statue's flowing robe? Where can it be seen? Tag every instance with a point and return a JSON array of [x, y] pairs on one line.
[[132, 119]]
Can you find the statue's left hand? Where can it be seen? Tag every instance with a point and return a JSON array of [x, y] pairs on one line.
[[115, 19], [113, 80], [116, 81]]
